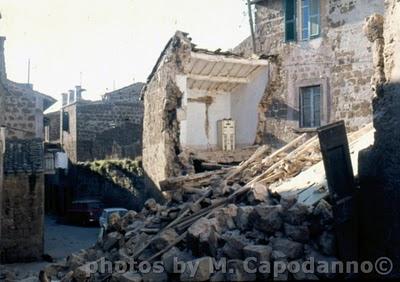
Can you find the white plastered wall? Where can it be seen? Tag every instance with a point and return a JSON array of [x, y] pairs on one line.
[[241, 105]]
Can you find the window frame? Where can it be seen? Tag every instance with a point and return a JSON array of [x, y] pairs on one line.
[[312, 110], [311, 16]]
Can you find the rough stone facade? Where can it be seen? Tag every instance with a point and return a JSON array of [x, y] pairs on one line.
[[339, 60], [130, 93], [188, 94], [161, 98], [22, 217], [102, 130], [21, 173], [380, 164]]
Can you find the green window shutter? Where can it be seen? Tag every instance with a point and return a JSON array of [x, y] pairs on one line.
[[290, 20], [314, 18]]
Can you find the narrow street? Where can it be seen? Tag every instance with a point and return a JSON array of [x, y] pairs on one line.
[[59, 241]]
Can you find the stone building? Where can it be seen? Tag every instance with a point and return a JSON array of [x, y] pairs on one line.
[[187, 96], [380, 164], [21, 173], [324, 64], [96, 130], [130, 93]]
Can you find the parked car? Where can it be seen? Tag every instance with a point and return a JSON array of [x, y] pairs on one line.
[[85, 211], [103, 220]]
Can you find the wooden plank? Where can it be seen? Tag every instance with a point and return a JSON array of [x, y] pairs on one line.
[[198, 179], [339, 173]]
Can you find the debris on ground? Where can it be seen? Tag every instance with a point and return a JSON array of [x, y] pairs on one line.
[[231, 214]]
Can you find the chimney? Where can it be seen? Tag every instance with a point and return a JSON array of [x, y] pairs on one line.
[[3, 73], [64, 99], [78, 92], [71, 96]]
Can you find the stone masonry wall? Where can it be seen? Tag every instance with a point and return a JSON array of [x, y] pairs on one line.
[[162, 97], [340, 60], [380, 164], [22, 217], [108, 131], [129, 93], [100, 130]]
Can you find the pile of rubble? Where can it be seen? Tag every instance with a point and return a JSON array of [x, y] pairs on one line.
[[226, 223], [240, 224]]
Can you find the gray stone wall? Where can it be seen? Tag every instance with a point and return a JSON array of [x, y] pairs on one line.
[[380, 164], [22, 214], [21, 176], [160, 126], [340, 60], [103, 130], [130, 93]]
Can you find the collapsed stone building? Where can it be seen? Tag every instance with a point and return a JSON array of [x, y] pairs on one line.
[[313, 67], [97, 130], [21, 172], [189, 97], [323, 60]]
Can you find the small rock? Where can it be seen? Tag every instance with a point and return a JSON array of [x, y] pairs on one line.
[[155, 277], [242, 219], [83, 273], [218, 276], [75, 260], [260, 252], [111, 240], [258, 194], [234, 244], [198, 270], [297, 214], [164, 239], [267, 218], [202, 238], [225, 217], [278, 256], [288, 201], [151, 205], [301, 275], [68, 277], [299, 233], [172, 256], [130, 277], [114, 222], [291, 249], [327, 243], [323, 211], [237, 272]]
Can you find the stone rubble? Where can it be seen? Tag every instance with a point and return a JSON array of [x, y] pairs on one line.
[[240, 229]]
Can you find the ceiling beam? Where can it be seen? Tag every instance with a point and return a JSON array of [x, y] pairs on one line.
[[223, 59], [218, 79]]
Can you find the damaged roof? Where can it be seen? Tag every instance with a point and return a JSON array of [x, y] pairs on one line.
[[212, 70]]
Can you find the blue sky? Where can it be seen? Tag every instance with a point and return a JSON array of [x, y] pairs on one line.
[[107, 40]]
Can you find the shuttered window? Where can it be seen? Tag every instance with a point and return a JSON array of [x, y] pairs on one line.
[[290, 20], [310, 107], [310, 19]]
